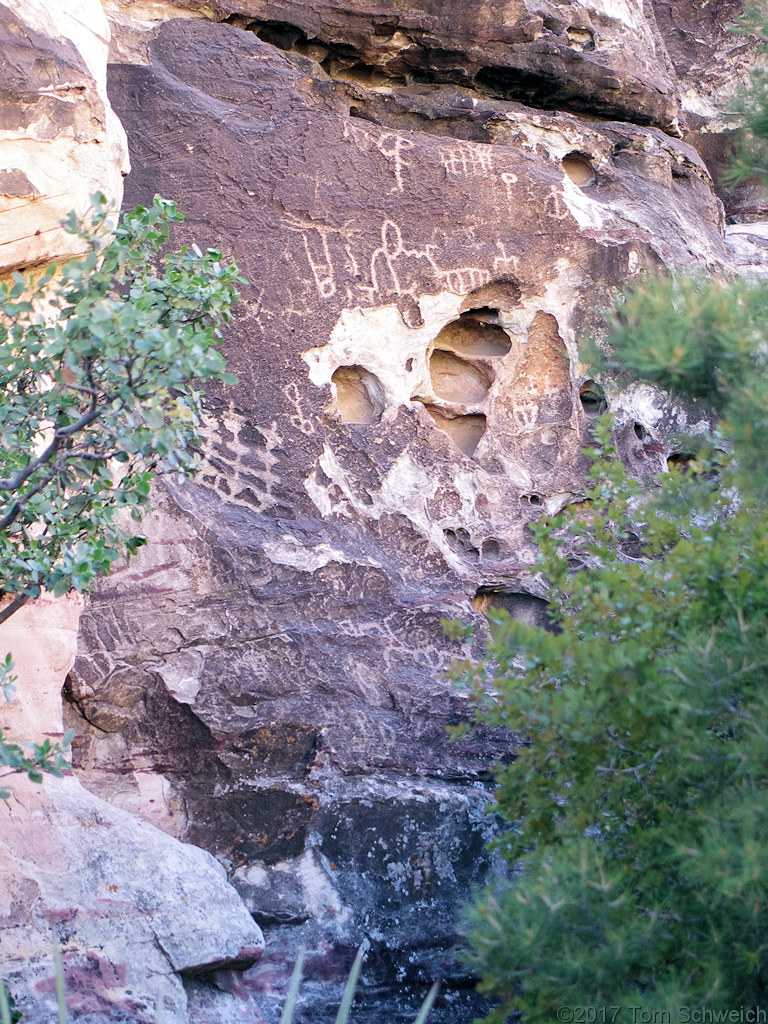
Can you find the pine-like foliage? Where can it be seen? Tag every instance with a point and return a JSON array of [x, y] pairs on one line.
[[638, 804]]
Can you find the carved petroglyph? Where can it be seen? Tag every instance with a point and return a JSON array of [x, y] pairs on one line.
[[555, 206], [315, 239], [388, 258], [300, 419], [468, 159], [240, 461], [509, 180], [392, 147], [505, 264]]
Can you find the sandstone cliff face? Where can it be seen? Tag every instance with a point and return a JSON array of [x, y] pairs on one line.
[[431, 202], [59, 137], [133, 909]]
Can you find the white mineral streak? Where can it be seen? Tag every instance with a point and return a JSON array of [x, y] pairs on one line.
[[321, 898], [63, 163], [289, 550]]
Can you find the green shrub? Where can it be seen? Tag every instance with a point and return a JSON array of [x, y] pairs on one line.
[[638, 802], [97, 360]]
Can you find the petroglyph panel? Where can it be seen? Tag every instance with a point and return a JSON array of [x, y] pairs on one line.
[[346, 508]]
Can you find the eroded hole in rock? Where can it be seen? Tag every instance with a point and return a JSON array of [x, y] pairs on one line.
[[361, 115], [473, 335], [531, 499], [456, 380], [491, 548], [680, 461], [460, 541], [592, 398], [512, 84], [580, 38], [276, 33], [359, 395], [640, 432], [522, 607], [363, 74], [464, 431], [579, 169], [496, 295]]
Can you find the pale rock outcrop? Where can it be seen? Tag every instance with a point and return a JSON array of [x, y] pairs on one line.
[[132, 909], [60, 141]]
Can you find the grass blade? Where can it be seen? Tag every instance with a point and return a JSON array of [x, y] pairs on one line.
[[349, 992], [429, 1002], [61, 999], [5, 1009], [293, 990], [158, 1009]]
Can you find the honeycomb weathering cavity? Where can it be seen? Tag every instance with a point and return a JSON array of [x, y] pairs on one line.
[[498, 295], [472, 335], [456, 380], [464, 431], [592, 397], [359, 396], [579, 169]]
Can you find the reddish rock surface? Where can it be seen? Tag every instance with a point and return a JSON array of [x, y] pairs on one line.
[[422, 262], [432, 204]]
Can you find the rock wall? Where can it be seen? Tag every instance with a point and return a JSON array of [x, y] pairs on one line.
[[133, 910], [432, 202]]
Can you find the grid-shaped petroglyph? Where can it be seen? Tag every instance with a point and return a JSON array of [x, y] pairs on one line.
[[240, 461]]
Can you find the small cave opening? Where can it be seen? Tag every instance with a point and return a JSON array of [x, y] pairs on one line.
[[491, 548], [359, 395], [522, 607], [580, 38], [361, 114], [681, 462], [640, 432], [465, 431], [474, 335], [456, 380], [531, 499], [592, 398], [579, 169], [277, 33], [493, 297], [460, 541]]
